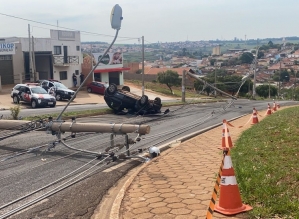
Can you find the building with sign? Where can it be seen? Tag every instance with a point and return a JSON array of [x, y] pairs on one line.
[[57, 57], [110, 68]]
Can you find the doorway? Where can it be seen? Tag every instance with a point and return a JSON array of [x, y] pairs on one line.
[[114, 77]]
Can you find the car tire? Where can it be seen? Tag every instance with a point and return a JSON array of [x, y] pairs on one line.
[[52, 106], [126, 88], [89, 90], [58, 97], [16, 99], [111, 89], [143, 100], [33, 104], [157, 100]]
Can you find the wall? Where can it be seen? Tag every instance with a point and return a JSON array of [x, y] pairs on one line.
[[134, 67]]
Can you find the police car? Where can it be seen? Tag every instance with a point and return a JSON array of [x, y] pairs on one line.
[[33, 94]]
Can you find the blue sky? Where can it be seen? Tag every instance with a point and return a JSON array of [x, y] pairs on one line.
[[163, 20]]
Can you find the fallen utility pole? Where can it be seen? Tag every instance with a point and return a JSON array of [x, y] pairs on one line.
[[99, 127], [191, 73]]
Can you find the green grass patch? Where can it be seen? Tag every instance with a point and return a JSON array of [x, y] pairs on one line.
[[266, 160], [68, 115]]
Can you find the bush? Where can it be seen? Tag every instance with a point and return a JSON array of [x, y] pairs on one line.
[[15, 111], [139, 71]]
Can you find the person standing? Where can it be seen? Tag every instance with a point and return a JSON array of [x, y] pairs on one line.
[[81, 78], [74, 80]]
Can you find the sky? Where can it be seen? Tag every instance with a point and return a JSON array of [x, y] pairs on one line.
[[156, 20]]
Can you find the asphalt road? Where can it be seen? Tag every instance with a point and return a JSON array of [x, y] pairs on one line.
[[23, 174]]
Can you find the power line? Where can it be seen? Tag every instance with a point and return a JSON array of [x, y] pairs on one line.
[[56, 26]]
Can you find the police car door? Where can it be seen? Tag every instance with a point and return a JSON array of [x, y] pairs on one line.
[[27, 95]]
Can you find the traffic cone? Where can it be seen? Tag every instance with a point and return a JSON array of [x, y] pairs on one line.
[[229, 198], [269, 111], [226, 139], [274, 106], [254, 117]]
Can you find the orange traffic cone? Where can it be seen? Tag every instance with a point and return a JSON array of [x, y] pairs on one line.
[[226, 139], [254, 117], [274, 106], [229, 198], [269, 111]]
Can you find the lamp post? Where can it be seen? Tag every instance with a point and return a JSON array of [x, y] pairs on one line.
[[115, 20]]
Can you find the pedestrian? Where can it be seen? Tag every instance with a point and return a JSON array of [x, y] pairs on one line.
[[74, 80], [106, 84], [81, 78]]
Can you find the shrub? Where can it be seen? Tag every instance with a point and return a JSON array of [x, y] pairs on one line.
[[15, 111]]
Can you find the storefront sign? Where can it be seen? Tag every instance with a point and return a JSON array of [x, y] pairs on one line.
[[109, 58], [7, 49]]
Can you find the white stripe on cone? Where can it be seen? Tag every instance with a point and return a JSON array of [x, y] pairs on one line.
[[227, 164], [228, 180]]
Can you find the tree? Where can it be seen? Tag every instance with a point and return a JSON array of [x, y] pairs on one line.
[[263, 91], [270, 43], [247, 57], [260, 55], [170, 78]]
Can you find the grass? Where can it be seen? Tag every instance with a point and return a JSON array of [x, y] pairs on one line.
[[77, 114], [266, 160]]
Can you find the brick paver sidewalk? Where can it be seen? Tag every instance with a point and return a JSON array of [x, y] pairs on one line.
[[179, 183]]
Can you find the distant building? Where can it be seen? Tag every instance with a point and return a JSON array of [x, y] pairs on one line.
[[217, 50]]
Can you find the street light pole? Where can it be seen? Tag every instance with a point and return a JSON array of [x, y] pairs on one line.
[[142, 65]]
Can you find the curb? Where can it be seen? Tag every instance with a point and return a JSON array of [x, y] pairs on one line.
[[115, 209]]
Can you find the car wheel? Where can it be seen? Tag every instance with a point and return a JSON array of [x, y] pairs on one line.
[[58, 97], [16, 99], [89, 90], [143, 100], [157, 100], [33, 104], [112, 89], [126, 88], [52, 106]]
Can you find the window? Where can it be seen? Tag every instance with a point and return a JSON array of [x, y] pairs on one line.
[[63, 75], [78, 48], [77, 72], [57, 50]]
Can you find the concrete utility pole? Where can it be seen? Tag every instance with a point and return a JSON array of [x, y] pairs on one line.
[[279, 78], [99, 127], [33, 61], [215, 85], [30, 60], [294, 96], [91, 61], [142, 65], [184, 86], [269, 86], [254, 73]]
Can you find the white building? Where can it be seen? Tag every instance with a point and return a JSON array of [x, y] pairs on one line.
[[57, 57]]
